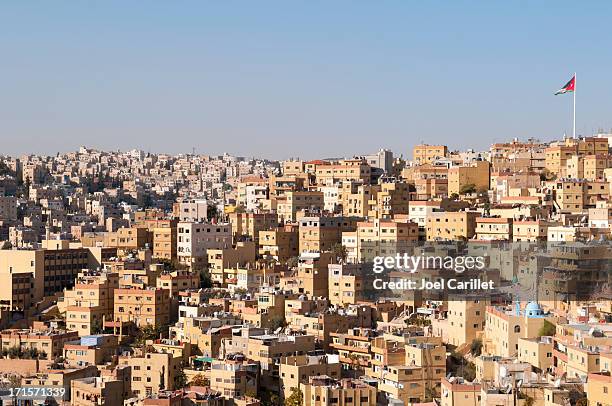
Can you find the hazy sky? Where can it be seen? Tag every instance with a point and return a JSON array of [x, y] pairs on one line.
[[298, 78]]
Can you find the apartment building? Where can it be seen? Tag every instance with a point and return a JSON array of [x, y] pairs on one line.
[[458, 392], [47, 342], [143, 307], [326, 391], [466, 317], [8, 208], [451, 226], [494, 229], [321, 233], [151, 372], [90, 302], [280, 243], [221, 259], [538, 352], [476, 175], [312, 273], [234, 376], [250, 224], [344, 170], [164, 241], [392, 199], [426, 154], [296, 201], [191, 210], [296, 370], [96, 390], [381, 238], [531, 230], [346, 283], [194, 239]]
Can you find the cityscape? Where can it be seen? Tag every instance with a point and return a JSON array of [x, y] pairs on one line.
[[136, 278], [305, 203]]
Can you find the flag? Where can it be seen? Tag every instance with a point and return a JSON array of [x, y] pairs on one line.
[[569, 86]]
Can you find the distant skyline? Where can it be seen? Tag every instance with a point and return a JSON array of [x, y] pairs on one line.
[[310, 79]]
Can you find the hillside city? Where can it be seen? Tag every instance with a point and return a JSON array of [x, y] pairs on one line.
[[135, 278]]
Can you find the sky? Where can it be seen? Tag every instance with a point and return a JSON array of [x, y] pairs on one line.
[[309, 79]]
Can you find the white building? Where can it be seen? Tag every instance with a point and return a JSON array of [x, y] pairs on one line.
[[194, 239]]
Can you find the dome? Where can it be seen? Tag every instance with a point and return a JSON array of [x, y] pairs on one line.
[[533, 309]]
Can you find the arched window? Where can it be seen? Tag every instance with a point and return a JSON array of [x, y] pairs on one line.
[[517, 329]]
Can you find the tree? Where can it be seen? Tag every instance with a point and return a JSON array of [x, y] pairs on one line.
[[467, 189], [296, 398], [547, 329], [205, 280], [269, 398], [149, 332], [198, 380], [212, 212], [292, 262], [180, 379], [276, 322], [14, 352], [476, 347], [339, 252]]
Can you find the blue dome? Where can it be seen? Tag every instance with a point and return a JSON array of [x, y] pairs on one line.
[[533, 309]]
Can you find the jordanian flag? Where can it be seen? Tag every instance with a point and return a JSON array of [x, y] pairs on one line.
[[569, 86]]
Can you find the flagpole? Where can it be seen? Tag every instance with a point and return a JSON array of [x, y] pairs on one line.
[[574, 130]]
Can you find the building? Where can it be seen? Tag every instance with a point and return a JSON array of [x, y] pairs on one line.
[[191, 210], [248, 225], [428, 154], [151, 372], [494, 228], [281, 243], [42, 342], [453, 226], [194, 239], [234, 376], [143, 307], [296, 201], [325, 391], [471, 178]]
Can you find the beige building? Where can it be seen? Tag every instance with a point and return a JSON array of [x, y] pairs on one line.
[[325, 391], [380, 238], [47, 343], [90, 302], [427, 154], [494, 229], [346, 283], [96, 391], [476, 175], [458, 225], [466, 318], [151, 372], [457, 392], [250, 224], [538, 352], [234, 377], [281, 243], [296, 201], [296, 370], [143, 307]]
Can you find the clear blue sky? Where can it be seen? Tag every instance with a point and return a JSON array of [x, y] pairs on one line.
[[289, 78]]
